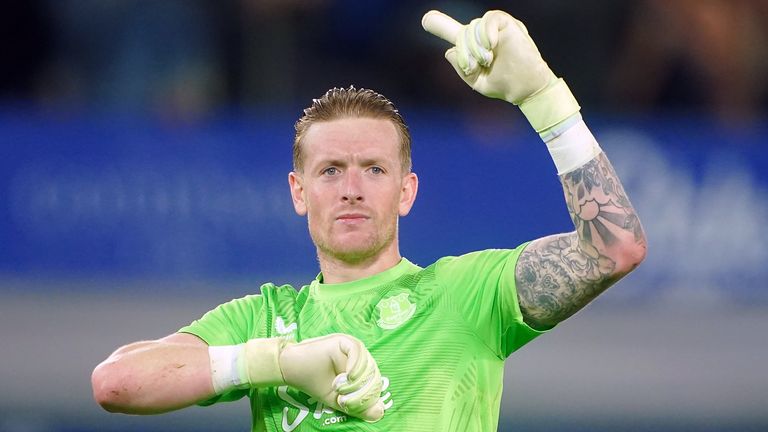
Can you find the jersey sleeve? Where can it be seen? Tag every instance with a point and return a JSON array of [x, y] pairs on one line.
[[482, 286], [230, 323]]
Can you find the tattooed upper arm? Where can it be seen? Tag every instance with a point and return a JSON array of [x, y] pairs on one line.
[[554, 279], [559, 274]]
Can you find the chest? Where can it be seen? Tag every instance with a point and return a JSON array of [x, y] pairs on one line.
[[425, 351]]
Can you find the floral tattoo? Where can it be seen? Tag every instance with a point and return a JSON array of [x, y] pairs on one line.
[[559, 274]]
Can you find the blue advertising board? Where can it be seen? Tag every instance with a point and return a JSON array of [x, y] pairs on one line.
[[118, 196]]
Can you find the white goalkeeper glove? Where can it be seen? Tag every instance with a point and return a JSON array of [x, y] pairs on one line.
[[336, 369], [497, 58]]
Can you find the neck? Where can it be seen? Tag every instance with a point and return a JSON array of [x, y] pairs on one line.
[[336, 270]]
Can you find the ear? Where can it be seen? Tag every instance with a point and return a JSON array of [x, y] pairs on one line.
[[297, 193], [408, 190]]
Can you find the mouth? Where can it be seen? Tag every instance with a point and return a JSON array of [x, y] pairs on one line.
[[352, 218]]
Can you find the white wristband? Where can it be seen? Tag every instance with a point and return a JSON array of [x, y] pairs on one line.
[[571, 144], [224, 372]]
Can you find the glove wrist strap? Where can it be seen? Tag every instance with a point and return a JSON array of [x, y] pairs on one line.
[[252, 364], [550, 106], [259, 364]]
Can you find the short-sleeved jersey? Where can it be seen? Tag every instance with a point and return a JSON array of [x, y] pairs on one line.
[[439, 334]]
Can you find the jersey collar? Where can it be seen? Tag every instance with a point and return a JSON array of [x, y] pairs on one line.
[[324, 290]]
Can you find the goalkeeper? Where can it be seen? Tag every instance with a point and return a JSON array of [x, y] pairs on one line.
[[375, 342]]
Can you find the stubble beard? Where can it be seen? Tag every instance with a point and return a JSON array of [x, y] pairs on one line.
[[369, 248]]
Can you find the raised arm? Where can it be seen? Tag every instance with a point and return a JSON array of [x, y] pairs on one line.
[[559, 274], [556, 275]]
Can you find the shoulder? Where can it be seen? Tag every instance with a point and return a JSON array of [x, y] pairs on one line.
[[477, 261], [269, 293], [275, 296], [272, 290]]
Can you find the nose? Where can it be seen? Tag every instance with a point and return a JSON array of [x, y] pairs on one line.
[[351, 187]]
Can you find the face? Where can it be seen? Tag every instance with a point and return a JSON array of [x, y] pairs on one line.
[[352, 188]]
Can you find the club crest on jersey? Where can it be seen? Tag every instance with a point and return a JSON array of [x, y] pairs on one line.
[[394, 311]]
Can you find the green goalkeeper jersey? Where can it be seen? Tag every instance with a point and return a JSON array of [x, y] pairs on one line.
[[440, 335]]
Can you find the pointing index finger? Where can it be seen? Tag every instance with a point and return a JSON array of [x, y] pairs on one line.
[[441, 25]]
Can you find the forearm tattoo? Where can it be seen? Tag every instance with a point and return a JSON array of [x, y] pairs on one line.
[[558, 275]]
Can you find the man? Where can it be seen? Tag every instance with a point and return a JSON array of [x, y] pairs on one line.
[[375, 342]]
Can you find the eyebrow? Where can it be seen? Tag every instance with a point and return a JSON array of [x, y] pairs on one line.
[[343, 163], [334, 162]]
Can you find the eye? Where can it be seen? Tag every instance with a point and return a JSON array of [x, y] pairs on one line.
[[331, 171], [376, 170]]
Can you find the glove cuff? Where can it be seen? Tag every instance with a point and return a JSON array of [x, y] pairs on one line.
[[550, 106], [252, 364], [259, 363]]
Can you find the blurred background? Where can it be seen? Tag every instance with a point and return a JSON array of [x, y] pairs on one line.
[[145, 149]]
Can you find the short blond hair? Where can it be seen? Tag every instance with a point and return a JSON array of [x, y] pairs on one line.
[[339, 103]]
